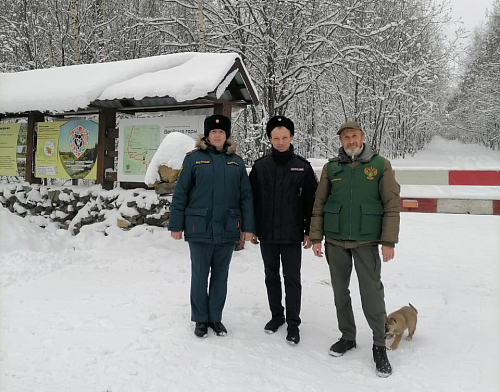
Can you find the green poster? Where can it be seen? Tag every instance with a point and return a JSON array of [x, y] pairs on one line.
[[46, 149], [9, 134], [67, 149]]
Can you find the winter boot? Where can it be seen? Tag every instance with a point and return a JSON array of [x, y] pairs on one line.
[[293, 335], [201, 330], [383, 367], [273, 325], [218, 328], [341, 347]]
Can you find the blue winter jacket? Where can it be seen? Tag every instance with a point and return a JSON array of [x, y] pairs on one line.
[[212, 200]]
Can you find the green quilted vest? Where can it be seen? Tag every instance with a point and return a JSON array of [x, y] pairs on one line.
[[354, 211]]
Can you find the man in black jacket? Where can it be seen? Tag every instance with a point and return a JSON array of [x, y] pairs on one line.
[[283, 187]]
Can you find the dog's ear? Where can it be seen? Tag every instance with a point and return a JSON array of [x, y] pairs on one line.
[[392, 319]]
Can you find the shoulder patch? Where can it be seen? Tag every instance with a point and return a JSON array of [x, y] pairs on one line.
[[194, 150]]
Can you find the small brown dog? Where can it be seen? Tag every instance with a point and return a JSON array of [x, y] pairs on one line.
[[398, 321]]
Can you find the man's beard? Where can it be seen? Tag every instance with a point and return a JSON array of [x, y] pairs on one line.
[[355, 152]]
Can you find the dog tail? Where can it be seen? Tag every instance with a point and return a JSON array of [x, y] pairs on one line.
[[413, 307]]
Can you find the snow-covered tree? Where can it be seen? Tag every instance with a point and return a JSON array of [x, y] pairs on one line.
[[320, 62], [474, 110]]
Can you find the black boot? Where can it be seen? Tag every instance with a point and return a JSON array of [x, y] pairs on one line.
[[341, 347], [293, 335], [383, 367], [273, 325], [201, 330], [218, 328]]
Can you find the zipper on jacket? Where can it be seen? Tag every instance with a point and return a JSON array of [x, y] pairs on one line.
[[350, 205], [300, 191]]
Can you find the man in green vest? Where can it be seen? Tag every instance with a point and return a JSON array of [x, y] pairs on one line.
[[356, 209]]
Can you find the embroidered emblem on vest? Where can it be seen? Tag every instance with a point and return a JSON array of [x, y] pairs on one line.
[[200, 162], [232, 163], [296, 169], [370, 172]]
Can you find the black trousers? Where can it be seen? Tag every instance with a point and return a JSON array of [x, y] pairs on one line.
[[290, 257]]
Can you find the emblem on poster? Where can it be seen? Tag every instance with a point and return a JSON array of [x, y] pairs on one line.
[[78, 140]]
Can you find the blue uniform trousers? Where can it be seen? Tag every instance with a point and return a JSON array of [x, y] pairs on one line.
[[209, 260]]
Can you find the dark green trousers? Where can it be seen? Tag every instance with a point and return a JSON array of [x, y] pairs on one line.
[[368, 267], [209, 273]]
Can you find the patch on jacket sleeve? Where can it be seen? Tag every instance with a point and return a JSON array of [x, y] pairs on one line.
[[297, 169], [201, 162], [232, 163]]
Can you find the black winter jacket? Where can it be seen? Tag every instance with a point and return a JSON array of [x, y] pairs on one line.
[[283, 187]]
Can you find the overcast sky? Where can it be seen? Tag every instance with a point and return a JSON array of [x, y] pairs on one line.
[[472, 13]]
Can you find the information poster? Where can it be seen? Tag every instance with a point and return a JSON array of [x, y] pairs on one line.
[[140, 138], [13, 149], [66, 149]]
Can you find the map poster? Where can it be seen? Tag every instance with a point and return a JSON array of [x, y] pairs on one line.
[[140, 138], [67, 149]]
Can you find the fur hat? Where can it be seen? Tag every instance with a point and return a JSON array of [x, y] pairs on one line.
[[217, 121], [349, 125], [279, 121]]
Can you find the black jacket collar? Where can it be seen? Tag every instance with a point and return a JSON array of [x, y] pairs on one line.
[[282, 157]]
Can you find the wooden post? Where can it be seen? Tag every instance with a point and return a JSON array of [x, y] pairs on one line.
[[223, 108], [107, 120], [33, 117]]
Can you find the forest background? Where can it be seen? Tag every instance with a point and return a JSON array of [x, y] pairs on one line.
[[387, 63]]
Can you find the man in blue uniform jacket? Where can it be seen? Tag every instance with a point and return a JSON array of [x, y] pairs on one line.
[[212, 204]]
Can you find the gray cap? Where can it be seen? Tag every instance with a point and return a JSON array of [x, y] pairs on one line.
[[348, 125]]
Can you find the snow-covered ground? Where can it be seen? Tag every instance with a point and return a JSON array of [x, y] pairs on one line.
[[95, 313], [111, 314], [453, 155]]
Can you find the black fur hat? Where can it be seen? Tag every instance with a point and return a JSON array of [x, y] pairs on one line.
[[217, 121], [279, 121]]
